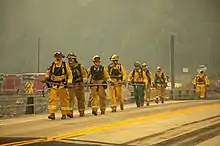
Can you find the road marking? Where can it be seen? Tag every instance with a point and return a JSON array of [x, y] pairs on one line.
[[116, 125], [41, 117]]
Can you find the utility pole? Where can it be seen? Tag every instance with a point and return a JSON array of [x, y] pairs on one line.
[[172, 59], [38, 54]]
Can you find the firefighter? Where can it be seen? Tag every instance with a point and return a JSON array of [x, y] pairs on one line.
[[79, 78], [160, 82], [118, 75], [200, 82], [149, 84], [99, 75], [57, 77], [138, 79]]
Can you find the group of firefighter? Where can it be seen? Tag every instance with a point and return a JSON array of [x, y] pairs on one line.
[[68, 80]]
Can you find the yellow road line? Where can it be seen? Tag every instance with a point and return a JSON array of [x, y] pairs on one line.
[[116, 125]]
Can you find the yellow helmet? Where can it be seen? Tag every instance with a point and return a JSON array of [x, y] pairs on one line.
[[56, 54], [144, 65], [137, 64], [71, 55], [158, 68], [114, 57], [96, 58]]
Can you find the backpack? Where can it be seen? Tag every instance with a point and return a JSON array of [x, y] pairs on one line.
[[200, 79], [111, 70], [63, 66], [97, 76], [148, 76], [162, 77], [133, 73], [77, 76]]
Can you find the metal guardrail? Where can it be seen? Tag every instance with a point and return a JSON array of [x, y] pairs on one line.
[[18, 83], [14, 105], [21, 104]]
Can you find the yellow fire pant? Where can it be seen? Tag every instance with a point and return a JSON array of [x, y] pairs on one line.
[[200, 90], [116, 91], [62, 93], [160, 91], [148, 94], [79, 94], [98, 92], [90, 97]]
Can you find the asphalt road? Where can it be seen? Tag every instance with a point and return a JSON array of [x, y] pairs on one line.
[[173, 123]]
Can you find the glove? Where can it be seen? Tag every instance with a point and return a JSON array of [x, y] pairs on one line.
[[69, 81], [45, 80], [165, 85], [194, 86], [111, 83]]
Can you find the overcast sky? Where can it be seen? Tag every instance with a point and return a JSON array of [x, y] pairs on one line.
[[134, 29]]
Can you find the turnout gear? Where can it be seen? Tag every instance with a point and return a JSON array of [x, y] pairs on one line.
[[90, 100], [79, 74], [160, 82], [149, 84], [118, 74], [200, 82], [160, 78], [60, 74], [99, 75], [138, 76]]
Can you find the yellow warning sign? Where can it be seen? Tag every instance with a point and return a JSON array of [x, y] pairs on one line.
[[29, 87]]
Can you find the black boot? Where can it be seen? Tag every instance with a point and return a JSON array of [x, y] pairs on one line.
[[94, 112], [113, 109], [69, 115], [102, 112], [81, 114], [51, 116], [157, 100], [122, 107], [148, 103], [63, 117], [162, 100]]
